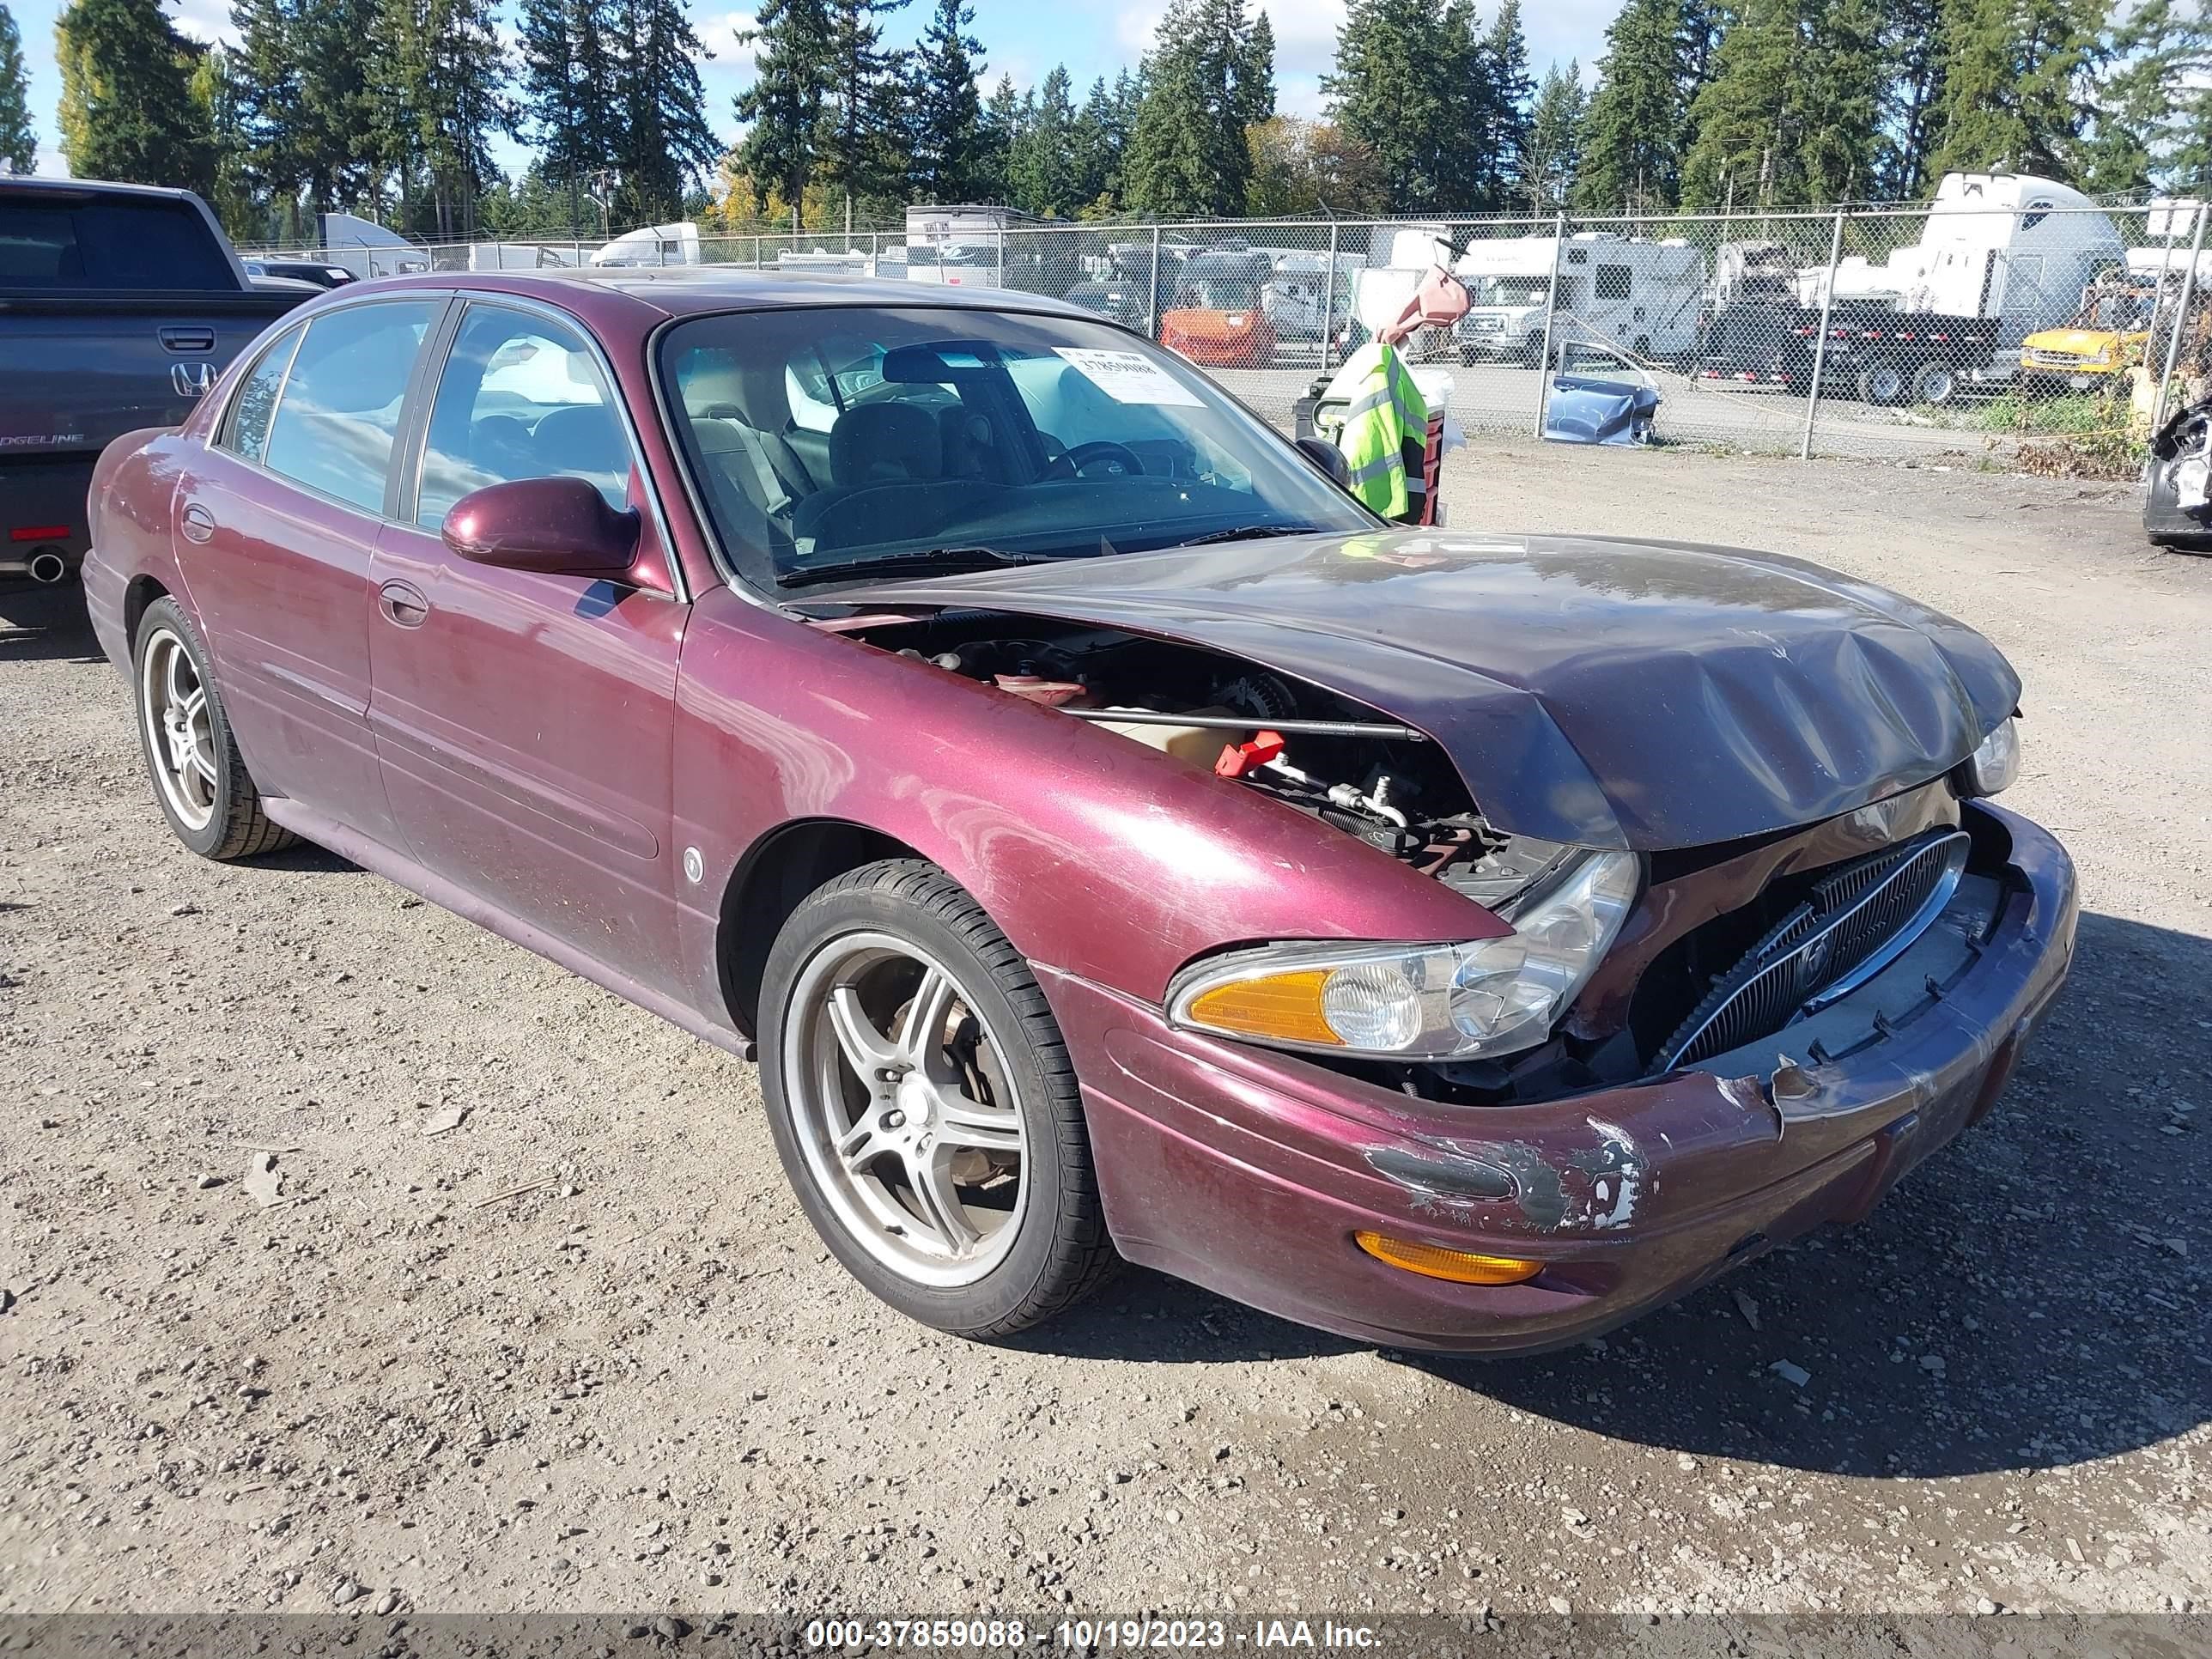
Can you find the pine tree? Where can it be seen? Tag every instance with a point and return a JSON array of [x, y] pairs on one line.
[[1209, 76], [1469, 99], [127, 112], [439, 83], [2153, 111], [1842, 87], [1512, 93], [782, 109], [332, 128], [1914, 55], [214, 90], [1631, 137], [1041, 163], [265, 75], [568, 94], [1388, 91], [859, 150], [663, 145], [1555, 125], [999, 131], [2012, 73], [1697, 40], [948, 112], [19, 140]]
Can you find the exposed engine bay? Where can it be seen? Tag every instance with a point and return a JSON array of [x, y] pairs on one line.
[[1323, 754], [1699, 923]]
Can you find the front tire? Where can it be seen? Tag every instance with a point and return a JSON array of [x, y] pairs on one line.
[[925, 1107], [200, 783]]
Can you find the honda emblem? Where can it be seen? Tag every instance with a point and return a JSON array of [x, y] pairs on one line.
[[192, 379]]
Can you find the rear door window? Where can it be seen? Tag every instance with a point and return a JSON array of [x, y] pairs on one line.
[[119, 243], [247, 429], [339, 412]]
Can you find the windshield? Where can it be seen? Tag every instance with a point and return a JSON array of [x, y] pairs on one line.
[[1507, 291], [827, 441], [1217, 294]]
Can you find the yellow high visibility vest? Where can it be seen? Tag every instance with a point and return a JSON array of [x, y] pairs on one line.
[[1387, 411]]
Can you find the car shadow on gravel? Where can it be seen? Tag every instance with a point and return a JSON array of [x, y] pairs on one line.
[[2032, 1297], [41, 623]]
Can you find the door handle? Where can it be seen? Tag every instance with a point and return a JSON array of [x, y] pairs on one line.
[[198, 523], [404, 603]]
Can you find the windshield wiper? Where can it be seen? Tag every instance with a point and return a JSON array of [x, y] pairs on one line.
[[928, 559], [1251, 532]]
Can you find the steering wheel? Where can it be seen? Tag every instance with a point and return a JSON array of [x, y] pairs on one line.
[[1071, 464]]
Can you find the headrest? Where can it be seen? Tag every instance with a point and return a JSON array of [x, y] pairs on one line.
[[885, 443], [580, 438], [716, 384]]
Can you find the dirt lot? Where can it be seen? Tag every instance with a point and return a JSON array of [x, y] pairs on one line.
[[645, 1387]]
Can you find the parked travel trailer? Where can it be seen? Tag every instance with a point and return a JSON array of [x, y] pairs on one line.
[[1300, 299], [1633, 295]]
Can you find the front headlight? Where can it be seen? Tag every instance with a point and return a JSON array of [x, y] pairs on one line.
[[1493, 996], [1991, 769]]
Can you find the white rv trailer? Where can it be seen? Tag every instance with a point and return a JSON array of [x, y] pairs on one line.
[[1624, 292], [1300, 299]]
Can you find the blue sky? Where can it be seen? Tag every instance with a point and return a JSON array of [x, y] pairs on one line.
[[1024, 38]]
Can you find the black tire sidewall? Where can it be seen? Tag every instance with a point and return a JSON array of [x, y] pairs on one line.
[[1000, 1294], [164, 615]]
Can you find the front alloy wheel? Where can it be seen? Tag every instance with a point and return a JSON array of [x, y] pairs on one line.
[[907, 1118], [925, 1107]]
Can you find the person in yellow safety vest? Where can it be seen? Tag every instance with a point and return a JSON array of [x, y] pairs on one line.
[[1386, 430]]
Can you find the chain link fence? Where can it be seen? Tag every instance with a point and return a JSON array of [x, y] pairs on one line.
[[1871, 332]]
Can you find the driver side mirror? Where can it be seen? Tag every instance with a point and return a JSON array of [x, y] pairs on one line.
[[556, 526], [1327, 459]]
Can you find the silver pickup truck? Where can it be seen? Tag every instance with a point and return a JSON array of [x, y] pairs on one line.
[[119, 306]]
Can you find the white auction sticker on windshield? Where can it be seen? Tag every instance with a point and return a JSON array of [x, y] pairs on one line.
[[1129, 377]]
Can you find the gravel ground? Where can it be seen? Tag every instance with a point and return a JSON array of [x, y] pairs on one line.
[[644, 1385]]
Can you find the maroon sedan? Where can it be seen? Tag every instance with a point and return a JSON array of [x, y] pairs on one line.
[[1112, 841]]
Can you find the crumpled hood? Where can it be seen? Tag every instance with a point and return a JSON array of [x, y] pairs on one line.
[[1596, 691]]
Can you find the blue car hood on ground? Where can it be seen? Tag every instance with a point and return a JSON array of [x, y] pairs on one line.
[[1608, 692]]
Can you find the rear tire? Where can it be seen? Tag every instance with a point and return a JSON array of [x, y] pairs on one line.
[[946, 1165], [1934, 383], [200, 783], [1883, 385]]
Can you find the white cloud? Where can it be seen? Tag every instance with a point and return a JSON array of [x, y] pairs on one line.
[[206, 19], [719, 36]]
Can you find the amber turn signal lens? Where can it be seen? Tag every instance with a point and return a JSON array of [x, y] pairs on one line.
[[1284, 1006], [1461, 1266]]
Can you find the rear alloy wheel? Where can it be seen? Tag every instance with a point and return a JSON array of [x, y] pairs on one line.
[[203, 786], [1882, 384], [1934, 383], [925, 1107]]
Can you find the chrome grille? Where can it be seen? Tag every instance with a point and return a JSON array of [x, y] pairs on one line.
[[1858, 918]]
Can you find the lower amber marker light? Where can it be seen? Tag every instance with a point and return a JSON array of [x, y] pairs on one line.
[[1461, 1266]]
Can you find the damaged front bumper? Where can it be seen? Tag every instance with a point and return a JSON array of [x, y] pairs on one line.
[[1249, 1172]]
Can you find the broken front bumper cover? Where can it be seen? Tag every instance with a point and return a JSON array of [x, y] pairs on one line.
[[1249, 1172]]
